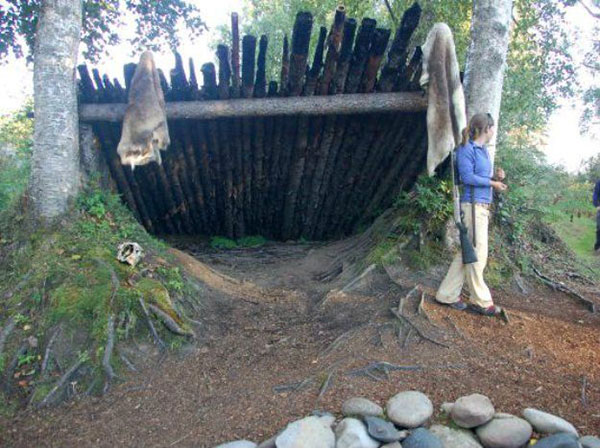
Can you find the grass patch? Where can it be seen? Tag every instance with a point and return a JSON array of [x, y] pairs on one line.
[[580, 236]]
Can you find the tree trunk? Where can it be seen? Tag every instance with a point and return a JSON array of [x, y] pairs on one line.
[[486, 59], [55, 166]]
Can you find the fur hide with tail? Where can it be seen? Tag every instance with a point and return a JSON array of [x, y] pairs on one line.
[[145, 132], [446, 116]]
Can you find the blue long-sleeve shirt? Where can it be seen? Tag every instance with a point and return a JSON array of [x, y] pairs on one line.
[[597, 194], [475, 170]]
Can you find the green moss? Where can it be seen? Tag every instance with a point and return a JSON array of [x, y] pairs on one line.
[[252, 241], [220, 242]]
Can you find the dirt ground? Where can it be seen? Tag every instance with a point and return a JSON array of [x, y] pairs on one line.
[[276, 344]]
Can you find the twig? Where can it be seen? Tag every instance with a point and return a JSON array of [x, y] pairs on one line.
[[293, 386], [108, 349], [389, 8], [157, 338], [61, 382], [380, 367], [583, 388], [407, 338], [405, 298], [405, 319], [560, 286]]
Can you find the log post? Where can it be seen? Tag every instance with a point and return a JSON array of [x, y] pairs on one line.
[[235, 56], [209, 85], [300, 44], [224, 71], [285, 67], [341, 72], [360, 54], [260, 87], [334, 41], [379, 43], [248, 62], [315, 70]]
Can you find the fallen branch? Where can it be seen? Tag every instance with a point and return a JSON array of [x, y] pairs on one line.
[[407, 338], [293, 386], [108, 349], [157, 338], [61, 382], [560, 286], [168, 321], [583, 391], [406, 320]]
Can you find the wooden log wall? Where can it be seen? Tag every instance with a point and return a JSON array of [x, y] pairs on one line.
[[284, 177]]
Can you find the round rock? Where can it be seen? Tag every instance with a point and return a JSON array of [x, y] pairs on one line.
[[361, 406], [422, 438], [455, 438], [310, 432], [382, 430], [472, 410], [560, 440], [505, 431], [409, 409], [352, 433], [546, 423], [590, 442], [392, 445], [237, 444]]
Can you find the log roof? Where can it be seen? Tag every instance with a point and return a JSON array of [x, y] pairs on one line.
[[315, 154]]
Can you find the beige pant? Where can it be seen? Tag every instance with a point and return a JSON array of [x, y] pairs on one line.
[[451, 287]]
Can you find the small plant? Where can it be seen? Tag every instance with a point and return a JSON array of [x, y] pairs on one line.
[[220, 242], [25, 359], [252, 241]]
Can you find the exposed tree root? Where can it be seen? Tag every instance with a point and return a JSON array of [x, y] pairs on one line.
[[8, 374], [358, 278], [5, 333], [61, 382], [127, 362], [169, 322], [453, 325], [157, 338], [325, 384], [108, 349], [560, 286], [46, 359], [381, 367], [294, 387], [406, 320]]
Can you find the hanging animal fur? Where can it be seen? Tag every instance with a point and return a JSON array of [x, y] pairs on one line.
[[145, 132], [446, 116]]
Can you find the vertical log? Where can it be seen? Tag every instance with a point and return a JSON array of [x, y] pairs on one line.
[[248, 61], [169, 168], [235, 126], [224, 71], [226, 175], [162, 203], [396, 59], [274, 179], [193, 92], [334, 41], [269, 125], [120, 91], [209, 86], [341, 72], [128, 72], [315, 70], [247, 172], [86, 85], [235, 56], [285, 67], [260, 87], [272, 89], [258, 141], [290, 125], [215, 154], [194, 171], [179, 83], [299, 56], [409, 78], [360, 54], [203, 157], [164, 84], [378, 47]]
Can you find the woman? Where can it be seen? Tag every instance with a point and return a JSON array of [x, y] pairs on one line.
[[475, 171]]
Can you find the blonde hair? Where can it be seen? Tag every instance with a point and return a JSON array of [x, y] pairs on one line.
[[478, 124]]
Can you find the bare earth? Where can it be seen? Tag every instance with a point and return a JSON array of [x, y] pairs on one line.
[[267, 323]]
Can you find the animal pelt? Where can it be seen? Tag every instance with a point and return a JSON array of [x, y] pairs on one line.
[[446, 116], [145, 132]]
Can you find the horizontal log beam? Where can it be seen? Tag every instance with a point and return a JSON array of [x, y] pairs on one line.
[[264, 107]]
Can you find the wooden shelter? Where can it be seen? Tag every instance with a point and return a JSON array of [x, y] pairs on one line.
[[314, 155]]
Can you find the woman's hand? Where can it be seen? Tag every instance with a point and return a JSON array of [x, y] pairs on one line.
[[500, 174], [498, 186]]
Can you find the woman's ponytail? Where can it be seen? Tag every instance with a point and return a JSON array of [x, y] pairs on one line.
[[478, 124]]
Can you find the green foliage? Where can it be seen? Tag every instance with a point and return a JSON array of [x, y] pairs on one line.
[[220, 242], [252, 241], [591, 169], [156, 24], [16, 133]]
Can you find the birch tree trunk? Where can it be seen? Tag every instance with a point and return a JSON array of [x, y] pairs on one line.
[[55, 165], [486, 59]]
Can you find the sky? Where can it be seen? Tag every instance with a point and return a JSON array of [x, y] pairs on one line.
[[564, 144]]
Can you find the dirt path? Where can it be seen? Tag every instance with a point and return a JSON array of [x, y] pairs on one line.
[[266, 324]]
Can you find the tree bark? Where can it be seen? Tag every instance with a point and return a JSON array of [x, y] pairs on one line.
[[55, 175], [486, 59]]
